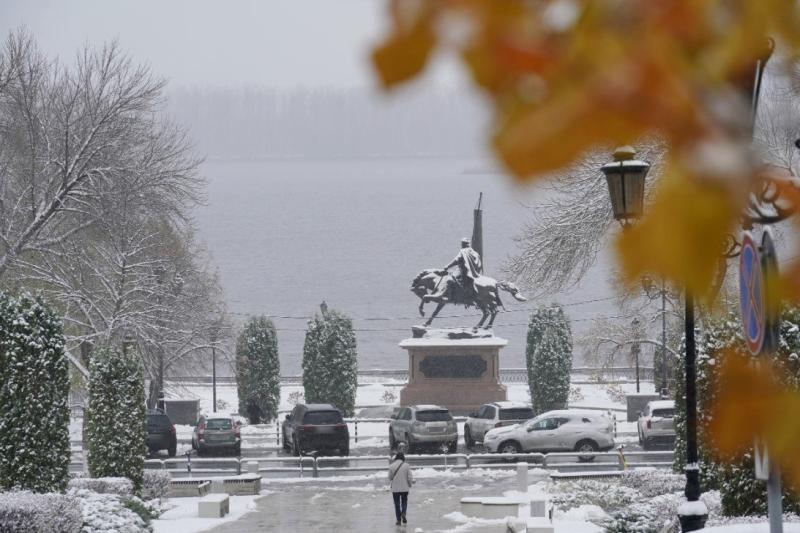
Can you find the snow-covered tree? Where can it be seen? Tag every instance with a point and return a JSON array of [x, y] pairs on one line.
[[34, 387], [258, 370], [740, 492], [115, 422], [330, 361], [548, 355]]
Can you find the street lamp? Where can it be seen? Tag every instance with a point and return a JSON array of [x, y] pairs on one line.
[[625, 176]]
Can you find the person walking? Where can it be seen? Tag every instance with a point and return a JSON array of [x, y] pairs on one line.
[[400, 481]]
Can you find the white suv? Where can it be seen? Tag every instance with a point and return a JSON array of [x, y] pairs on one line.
[[555, 431], [494, 415], [655, 423], [423, 425]]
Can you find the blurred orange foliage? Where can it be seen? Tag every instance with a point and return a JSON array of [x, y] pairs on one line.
[[565, 76]]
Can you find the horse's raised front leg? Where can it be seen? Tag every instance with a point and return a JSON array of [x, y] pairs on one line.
[[435, 312], [421, 310]]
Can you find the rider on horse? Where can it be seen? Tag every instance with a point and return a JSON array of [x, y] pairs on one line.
[[470, 268]]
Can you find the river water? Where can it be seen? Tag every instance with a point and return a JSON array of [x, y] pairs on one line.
[[287, 234]]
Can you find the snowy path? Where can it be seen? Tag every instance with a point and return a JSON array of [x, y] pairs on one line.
[[363, 506]]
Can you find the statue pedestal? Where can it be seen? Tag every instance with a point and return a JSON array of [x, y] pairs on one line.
[[455, 368]]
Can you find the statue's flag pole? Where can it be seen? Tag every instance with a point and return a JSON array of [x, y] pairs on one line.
[[477, 231]]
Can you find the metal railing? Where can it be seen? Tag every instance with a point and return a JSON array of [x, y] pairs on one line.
[[312, 466]]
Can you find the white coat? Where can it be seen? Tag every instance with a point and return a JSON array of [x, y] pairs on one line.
[[400, 478]]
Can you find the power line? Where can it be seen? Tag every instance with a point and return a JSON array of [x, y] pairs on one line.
[[415, 317]]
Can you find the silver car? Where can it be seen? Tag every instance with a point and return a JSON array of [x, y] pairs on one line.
[[555, 431], [655, 424], [423, 425], [494, 415]]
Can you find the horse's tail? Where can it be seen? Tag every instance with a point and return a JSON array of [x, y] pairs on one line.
[[513, 289]]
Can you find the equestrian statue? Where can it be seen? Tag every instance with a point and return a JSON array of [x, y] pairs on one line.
[[467, 285]]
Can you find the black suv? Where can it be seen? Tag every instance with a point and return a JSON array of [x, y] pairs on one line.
[[315, 427], [160, 432]]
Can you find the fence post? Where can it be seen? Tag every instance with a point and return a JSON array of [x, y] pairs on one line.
[[238, 467], [466, 460], [356, 428], [316, 473], [277, 432]]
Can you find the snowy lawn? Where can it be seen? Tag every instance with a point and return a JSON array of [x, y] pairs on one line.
[[182, 515]]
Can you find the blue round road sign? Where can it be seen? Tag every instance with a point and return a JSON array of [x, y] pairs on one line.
[[751, 295]]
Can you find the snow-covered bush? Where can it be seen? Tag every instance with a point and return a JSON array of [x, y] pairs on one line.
[[26, 512], [121, 486], [258, 370], [652, 482], [108, 513], [34, 388], [741, 493], [330, 361], [155, 484], [609, 496], [548, 355], [115, 424], [651, 514]]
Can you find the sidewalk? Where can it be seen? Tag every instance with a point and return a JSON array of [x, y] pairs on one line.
[[361, 507]]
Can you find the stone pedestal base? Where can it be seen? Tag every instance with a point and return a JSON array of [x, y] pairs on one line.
[[454, 368]]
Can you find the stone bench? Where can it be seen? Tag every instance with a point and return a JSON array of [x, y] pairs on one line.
[[539, 525], [490, 508], [213, 506], [242, 485]]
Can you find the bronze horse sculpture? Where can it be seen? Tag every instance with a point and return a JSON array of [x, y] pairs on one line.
[[440, 286]]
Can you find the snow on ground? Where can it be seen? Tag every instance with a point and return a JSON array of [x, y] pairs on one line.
[[182, 517], [762, 527]]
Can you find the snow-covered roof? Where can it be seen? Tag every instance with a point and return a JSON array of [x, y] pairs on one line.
[[511, 405], [573, 412], [662, 404], [427, 407]]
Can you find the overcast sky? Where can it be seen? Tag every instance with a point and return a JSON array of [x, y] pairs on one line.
[[278, 43]]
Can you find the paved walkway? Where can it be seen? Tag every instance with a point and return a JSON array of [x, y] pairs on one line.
[[364, 506]]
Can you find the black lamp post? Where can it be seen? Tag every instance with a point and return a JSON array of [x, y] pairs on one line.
[[625, 176]]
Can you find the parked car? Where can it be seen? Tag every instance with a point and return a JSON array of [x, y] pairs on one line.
[[555, 431], [315, 427], [494, 415], [423, 425], [217, 433], [655, 424], [161, 432]]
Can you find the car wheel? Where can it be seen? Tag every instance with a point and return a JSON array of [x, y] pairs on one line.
[[172, 450], [452, 447], [344, 451], [586, 446], [286, 446], [468, 440], [509, 446], [296, 449], [646, 446], [410, 446], [392, 441], [237, 450]]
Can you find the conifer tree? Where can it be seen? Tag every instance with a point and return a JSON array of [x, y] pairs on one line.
[[34, 391], [548, 356], [330, 361], [116, 427], [258, 370]]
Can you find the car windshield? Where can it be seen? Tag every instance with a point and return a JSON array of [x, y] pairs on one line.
[[664, 413], [219, 423], [434, 416], [322, 417], [522, 413]]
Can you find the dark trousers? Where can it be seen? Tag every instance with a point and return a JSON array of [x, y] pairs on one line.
[[400, 503]]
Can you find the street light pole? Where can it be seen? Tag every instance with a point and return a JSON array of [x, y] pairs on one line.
[[663, 337], [690, 518], [214, 376]]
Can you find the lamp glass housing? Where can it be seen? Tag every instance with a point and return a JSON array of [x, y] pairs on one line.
[[626, 188]]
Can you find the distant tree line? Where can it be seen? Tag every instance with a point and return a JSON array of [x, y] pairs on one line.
[[96, 196], [261, 122]]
